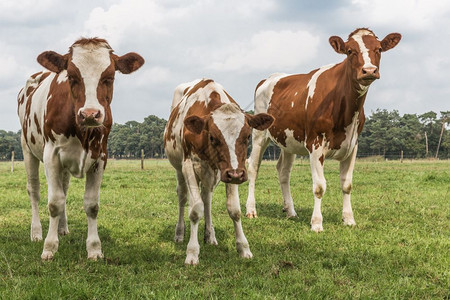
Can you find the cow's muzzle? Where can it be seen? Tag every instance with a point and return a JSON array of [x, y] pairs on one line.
[[368, 75], [89, 117], [235, 176]]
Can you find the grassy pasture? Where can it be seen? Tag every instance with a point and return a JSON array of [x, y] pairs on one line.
[[399, 248]]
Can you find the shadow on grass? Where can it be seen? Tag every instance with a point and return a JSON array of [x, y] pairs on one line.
[[16, 244], [275, 211]]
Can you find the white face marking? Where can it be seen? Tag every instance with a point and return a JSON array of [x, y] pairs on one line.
[[62, 77], [230, 120], [312, 82], [92, 62], [292, 104], [362, 47]]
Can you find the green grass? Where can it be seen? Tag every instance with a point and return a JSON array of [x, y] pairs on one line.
[[398, 250]]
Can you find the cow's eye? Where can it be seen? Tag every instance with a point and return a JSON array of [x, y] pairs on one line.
[[108, 80], [213, 140], [349, 51], [72, 79]]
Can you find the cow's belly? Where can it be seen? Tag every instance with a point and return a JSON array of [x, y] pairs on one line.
[[342, 153], [36, 148], [291, 145], [346, 148], [174, 153]]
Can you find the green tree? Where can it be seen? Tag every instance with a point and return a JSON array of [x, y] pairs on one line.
[[445, 119], [10, 141]]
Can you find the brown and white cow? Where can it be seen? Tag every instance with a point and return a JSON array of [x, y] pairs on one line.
[[319, 114], [206, 141], [66, 118]]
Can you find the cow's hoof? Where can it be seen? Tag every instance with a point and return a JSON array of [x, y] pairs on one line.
[[291, 214], [63, 231], [36, 237], [47, 255], [244, 250], [348, 219], [349, 222], [210, 237], [211, 240], [191, 260], [95, 255], [251, 214], [36, 233], [317, 227], [179, 233]]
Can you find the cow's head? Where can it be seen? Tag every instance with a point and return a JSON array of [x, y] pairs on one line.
[[363, 50], [91, 66], [224, 136]]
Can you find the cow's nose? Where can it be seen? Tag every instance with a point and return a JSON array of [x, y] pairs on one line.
[[235, 175], [371, 71], [90, 114]]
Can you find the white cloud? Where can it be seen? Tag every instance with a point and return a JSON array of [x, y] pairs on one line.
[[153, 75], [266, 50], [25, 10], [418, 15]]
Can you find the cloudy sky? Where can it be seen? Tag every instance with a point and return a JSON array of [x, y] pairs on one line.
[[237, 43]]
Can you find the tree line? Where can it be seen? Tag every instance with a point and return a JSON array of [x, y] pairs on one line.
[[386, 133]]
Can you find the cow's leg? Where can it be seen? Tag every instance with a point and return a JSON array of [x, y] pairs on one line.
[[210, 235], [63, 229], [260, 141], [91, 207], [196, 210], [182, 191], [56, 201], [284, 167], [33, 186], [234, 210], [346, 174], [319, 188]]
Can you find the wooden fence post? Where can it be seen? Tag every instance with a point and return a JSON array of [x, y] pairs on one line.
[[401, 156], [142, 159], [12, 161]]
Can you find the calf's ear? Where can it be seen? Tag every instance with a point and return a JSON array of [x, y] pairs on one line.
[[260, 121], [338, 44], [194, 124], [129, 62], [53, 61], [390, 41]]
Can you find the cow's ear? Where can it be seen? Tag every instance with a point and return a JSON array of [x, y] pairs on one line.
[[129, 62], [260, 121], [53, 61], [195, 124], [338, 44], [390, 41]]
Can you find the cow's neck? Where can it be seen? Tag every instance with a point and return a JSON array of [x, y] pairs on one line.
[[355, 94]]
